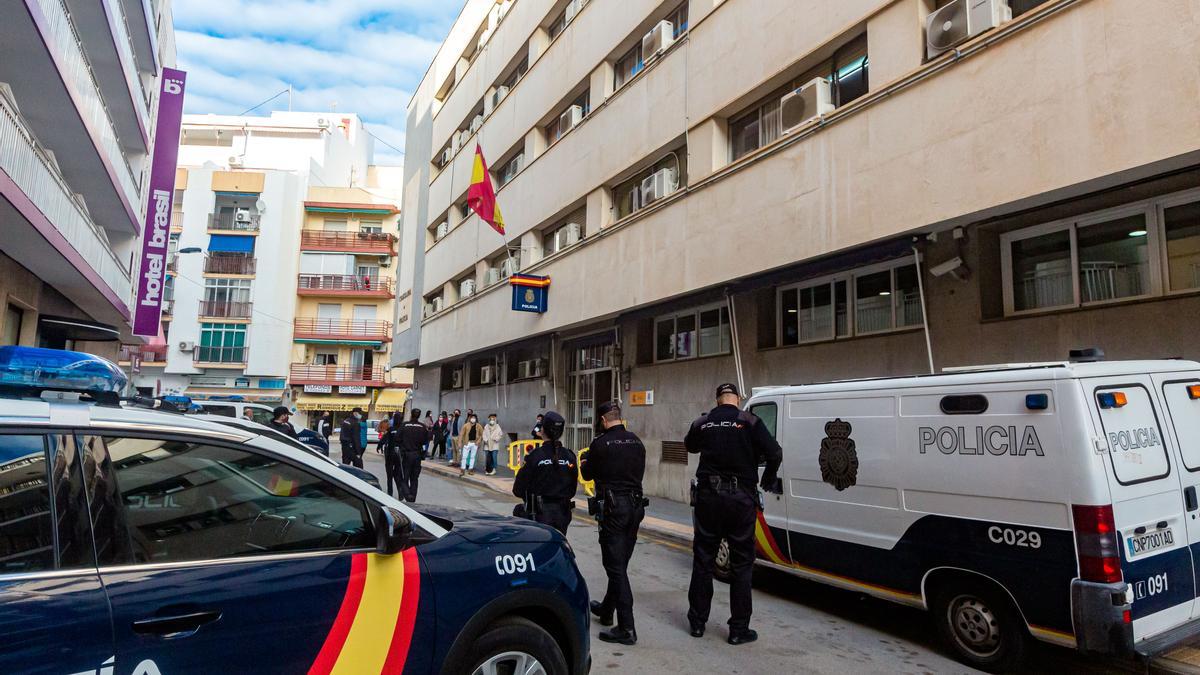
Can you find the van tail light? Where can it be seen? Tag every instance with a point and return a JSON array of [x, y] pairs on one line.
[[1096, 543]]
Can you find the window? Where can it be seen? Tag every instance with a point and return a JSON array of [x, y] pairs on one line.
[[757, 128], [848, 76], [220, 410], [679, 20], [325, 358], [563, 235], [190, 501], [1019, 7], [260, 415], [1182, 225], [697, 332], [371, 226], [14, 317], [222, 343], [335, 225], [1041, 271], [26, 523], [570, 116], [565, 17], [1113, 259], [628, 197], [870, 300], [768, 413], [628, 65], [223, 291], [511, 168]]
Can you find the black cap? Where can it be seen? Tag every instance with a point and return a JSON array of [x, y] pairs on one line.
[[728, 388], [553, 425], [280, 410], [607, 407]]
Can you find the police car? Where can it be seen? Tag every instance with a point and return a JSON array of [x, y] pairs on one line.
[[138, 541], [1057, 501]]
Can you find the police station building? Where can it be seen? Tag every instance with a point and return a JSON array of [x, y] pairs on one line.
[[780, 192]]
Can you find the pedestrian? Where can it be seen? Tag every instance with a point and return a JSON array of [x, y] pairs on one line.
[[428, 425], [616, 460], [410, 438], [537, 427], [390, 448], [349, 434], [325, 426], [493, 439], [363, 427], [454, 430], [731, 444], [382, 428], [441, 430], [279, 422], [472, 436], [548, 479]]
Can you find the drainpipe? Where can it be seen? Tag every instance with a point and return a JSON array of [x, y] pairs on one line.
[[924, 309], [737, 348]]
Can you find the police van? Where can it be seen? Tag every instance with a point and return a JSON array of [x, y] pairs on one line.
[[144, 542], [1057, 501]]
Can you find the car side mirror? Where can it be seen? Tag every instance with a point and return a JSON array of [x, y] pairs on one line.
[[393, 530]]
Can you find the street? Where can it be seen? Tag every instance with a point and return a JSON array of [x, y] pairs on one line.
[[803, 627]]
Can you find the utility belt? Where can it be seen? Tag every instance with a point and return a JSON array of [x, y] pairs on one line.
[[535, 504], [726, 485], [604, 499]]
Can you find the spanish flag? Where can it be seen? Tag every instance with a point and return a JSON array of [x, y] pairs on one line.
[[481, 195]]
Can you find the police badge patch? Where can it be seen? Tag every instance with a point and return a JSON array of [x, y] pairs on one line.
[[838, 459]]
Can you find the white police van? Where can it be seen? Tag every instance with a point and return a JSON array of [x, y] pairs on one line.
[[1057, 501]]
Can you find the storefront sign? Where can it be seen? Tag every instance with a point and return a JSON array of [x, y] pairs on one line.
[[530, 293], [352, 389], [242, 383], [641, 397], [318, 389], [147, 311], [206, 381]]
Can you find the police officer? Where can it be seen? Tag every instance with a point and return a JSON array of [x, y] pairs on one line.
[[616, 460], [731, 442], [410, 439], [548, 478], [389, 445]]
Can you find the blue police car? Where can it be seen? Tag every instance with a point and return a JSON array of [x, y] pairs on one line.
[[139, 541]]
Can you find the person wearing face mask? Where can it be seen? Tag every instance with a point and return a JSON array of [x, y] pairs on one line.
[[410, 440], [493, 439], [441, 430], [455, 429], [351, 433], [469, 440]]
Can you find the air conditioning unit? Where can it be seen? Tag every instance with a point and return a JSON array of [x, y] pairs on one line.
[[524, 369], [486, 375], [447, 155], [962, 20], [514, 167], [657, 40], [505, 5], [806, 103], [570, 118], [573, 8], [429, 310], [187, 346], [466, 288], [658, 185], [491, 276], [166, 307], [498, 96], [573, 232], [476, 123], [322, 123], [510, 266], [235, 161], [242, 215], [456, 379], [443, 229], [437, 304]]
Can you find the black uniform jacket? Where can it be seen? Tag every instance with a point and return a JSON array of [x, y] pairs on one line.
[[546, 477], [616, 460], [731, 443]]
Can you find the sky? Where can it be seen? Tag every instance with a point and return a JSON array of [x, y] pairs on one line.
[[362, 56]]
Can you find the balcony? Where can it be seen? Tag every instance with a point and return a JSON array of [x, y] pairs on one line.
[[62, 100], [348, 242], [141, 21], [146, 354], [371, 376], [340, 330], [239, 265], [102, 28], [224, 309], [227, 223], [345, 285]]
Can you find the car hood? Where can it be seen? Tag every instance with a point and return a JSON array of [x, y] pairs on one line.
[[489, 528]]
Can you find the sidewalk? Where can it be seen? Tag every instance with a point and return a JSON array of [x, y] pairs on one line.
[[664, 518]]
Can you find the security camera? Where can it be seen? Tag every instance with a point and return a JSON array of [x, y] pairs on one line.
[[953, 266]]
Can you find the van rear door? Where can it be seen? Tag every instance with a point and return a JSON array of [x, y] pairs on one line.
[[1144, 480], [1181, 397]]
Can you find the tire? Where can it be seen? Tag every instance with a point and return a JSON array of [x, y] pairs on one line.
[[980, 624], [721, 569], [513, 645]]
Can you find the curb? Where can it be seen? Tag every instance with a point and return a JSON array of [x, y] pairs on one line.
[[676, 533]]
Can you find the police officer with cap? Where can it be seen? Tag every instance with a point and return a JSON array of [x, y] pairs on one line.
[[616, 460], [410, 439], [731, 443], [547, 480]]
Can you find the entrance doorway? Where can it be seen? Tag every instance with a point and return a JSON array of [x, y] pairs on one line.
[[590, 381]]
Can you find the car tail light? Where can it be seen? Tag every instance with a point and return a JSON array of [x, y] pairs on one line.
[[1096, 543]]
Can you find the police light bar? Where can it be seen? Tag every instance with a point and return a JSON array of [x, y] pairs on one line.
[[59, 370], [1112, 399], [1037, 401]]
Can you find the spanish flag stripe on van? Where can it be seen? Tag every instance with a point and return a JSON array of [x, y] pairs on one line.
[[765, 542]]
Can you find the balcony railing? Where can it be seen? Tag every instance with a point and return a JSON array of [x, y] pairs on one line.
[[27, 164], [228, 222], [229, 265], [61, 32], [223, 355], [303, 373], [357, 242], [224, 309], [345, 284], [310, 328], [146, 353]]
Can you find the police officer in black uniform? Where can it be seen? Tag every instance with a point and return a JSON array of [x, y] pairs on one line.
[[410, 439], [616, 460], [389, 445], [731, 443], [548, 478]]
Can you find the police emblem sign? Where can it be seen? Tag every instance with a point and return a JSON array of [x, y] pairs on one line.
[[838, 458], [530, 293]]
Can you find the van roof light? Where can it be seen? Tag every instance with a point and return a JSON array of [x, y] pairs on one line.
[[38, 369], [1194, 391], [1086, 355]]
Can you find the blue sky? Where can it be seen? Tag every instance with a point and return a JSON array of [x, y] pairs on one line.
[[364, 56]]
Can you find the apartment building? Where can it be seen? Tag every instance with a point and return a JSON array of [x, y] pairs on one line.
[[777, 192], [79, 94], [282, 236]]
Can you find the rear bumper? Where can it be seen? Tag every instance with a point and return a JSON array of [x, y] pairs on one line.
[[1098, 612]]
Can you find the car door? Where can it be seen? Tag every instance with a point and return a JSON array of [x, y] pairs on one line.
[[1181, 399], [54, 615], [238, 559]]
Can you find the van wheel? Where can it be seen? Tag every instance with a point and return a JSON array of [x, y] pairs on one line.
[[516, 645], [982, 627], [721, 567]]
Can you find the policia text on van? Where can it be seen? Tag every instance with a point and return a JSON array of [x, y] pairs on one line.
[[1054, 501]]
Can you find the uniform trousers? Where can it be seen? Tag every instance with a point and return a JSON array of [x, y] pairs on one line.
[[623, 515], [728, 513]]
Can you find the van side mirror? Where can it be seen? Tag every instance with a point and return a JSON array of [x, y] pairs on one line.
[[393, 530]]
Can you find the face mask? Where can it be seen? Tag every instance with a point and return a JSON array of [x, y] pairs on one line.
[[492, 422], [473, 420]]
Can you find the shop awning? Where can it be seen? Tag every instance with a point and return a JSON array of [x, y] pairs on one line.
[[229, 243], [391, 399], [332, 403]]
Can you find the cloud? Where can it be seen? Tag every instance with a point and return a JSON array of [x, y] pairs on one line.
[[362, 56]]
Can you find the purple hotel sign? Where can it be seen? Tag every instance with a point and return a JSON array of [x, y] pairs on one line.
[[156, 232]]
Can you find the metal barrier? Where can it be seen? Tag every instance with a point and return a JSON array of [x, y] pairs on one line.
[[516, 459]]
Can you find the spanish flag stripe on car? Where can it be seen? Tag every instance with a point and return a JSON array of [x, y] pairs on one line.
[[373, 628]]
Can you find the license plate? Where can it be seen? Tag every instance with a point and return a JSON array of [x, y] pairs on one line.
[[1141, 544]]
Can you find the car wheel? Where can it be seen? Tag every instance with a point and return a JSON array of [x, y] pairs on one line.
[[517, 646], [981, 626], [721, 567]]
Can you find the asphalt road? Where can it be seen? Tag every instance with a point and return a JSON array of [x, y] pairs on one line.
[[803, 627]]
